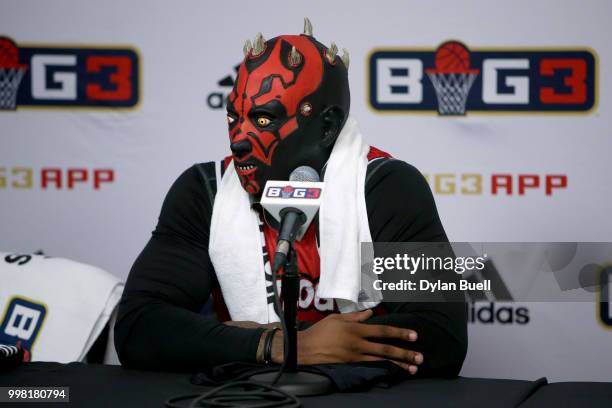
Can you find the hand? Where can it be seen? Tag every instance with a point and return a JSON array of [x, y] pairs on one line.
[[343, 338]]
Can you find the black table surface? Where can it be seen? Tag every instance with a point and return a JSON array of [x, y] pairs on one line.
[[114, 386], [572, 395]]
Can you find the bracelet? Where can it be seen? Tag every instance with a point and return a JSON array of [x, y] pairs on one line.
[[267, 354]]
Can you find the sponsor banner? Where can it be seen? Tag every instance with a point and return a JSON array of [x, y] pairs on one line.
[[55, 178], [498, 313], [453, 80], [217, 98], [497, 184], [36, 75]]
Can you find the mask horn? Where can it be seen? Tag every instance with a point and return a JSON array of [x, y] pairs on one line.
[[331, 52], [345, 57], [258, 45], [307, 27], [295, 58], [247, 48]]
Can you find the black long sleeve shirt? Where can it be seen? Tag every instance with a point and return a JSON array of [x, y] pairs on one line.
[[159, 325]]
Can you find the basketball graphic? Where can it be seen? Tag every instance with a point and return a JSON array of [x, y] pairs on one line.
[[452, 77], [452, 56], [11, 73], [9, 54]]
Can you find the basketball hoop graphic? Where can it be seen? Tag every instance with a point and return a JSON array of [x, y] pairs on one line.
[[452, 77], [11, 73]]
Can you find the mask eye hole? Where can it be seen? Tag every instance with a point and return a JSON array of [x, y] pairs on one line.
[[230, 119], [263, 121]]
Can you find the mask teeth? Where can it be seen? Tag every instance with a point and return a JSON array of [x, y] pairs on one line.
[[307, 27], [295, 58], [345, 57], [331, 53], [258, 45], [247, 48]]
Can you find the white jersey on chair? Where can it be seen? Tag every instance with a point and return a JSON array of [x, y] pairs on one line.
[[54, 308]]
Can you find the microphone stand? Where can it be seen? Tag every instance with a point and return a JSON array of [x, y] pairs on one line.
[[293, 380], [291, 289]]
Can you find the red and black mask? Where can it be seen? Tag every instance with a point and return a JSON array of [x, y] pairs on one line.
[[289, 102]]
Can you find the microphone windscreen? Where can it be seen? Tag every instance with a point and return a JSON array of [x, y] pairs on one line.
[[304, 173]]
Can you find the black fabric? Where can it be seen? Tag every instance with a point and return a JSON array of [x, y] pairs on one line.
[[208, 173], [94, 386], [159, 325], [346, 377], [572, 395]]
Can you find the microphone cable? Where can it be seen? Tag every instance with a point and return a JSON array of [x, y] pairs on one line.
[[247, 392], [243, 393], [270, 395]]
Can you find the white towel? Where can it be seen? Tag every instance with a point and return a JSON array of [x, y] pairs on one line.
[[235, 245]]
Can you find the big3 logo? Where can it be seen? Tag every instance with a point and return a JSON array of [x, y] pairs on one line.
[[23, 318], [22, 323], [67, 76], [453, 80]]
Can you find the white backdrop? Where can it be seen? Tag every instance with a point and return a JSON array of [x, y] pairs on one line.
[[186, 47]]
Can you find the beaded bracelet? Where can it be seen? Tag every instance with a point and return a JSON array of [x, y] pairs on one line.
[[267, 355]]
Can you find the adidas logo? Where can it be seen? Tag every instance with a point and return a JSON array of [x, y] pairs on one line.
[[216, 99]]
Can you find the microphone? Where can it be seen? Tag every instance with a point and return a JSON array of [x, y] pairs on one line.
[[294, 205]]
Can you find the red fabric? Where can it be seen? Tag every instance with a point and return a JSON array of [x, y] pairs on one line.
[[375, 153], [309, 308]]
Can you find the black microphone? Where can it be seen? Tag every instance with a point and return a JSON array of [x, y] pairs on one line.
[[292, 220], [292, 217], [293, 204]]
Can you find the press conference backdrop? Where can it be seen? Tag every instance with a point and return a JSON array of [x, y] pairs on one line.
[[115, 99]]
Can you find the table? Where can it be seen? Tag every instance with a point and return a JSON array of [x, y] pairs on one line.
[[114, 386], [572, 395]]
